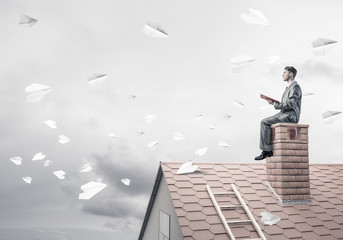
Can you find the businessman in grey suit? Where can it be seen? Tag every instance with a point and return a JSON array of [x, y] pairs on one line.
[[290, 107]]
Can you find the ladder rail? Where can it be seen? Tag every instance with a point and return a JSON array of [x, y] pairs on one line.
[[221, 216], [251, 217]]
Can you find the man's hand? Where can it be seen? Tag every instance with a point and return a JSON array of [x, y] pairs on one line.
[[270, 102]]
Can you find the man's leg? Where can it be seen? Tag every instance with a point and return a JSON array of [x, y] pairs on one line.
[[265, 132]]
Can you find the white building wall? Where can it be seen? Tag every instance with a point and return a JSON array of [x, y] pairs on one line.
[[164, 203]]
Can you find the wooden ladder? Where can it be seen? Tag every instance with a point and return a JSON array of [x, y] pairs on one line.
[[242, 205]]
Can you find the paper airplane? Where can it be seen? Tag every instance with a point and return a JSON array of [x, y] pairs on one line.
[[126, 181], [38, 156], [90, 189], [227, 116], [210, 127], [152, 145], [50, 123], [16, 160], [322, 45], [273, 59], [47, 163], [154, 30], [140, 133], [238, 103], [150, 118], [201, 151], [198, 117], [112, 135], [30, 21], [223, 145], [178, 136], [307, 94], [242, 63], [63, 139], [59, 174], [131, 96], [187, 167], [86, 168], [329, 114], [36, 92], [254, 17], [96, 78], [27, 179], [268, 218]]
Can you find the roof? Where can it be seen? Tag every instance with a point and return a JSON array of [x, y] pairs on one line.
[[321, 219]]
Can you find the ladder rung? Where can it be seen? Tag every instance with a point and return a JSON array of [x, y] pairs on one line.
[[231, 206], [223, 193], [240, 221]]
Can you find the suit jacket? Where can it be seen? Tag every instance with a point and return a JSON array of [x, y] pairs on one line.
[[291, 102]]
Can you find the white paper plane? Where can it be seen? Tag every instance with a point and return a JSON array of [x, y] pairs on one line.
[[126, 181], [47, 163], [178, 136], [198, 117], [30, 21], [63, 139], [90, 189], [16, 160], [152, 145], [322, 45], [154, 30], [329, 114], [238, 103], [27, 179], [112, 135], [131, 96], [210, 127], [96, 78], [86, 168], [38, 156], [36, 92], [140, 133], [254, 17], [201, 151], [150, 118], [223, 145], [60, 174], [242, 63], [187, 167], [273, 59], [268, 218], [50, 123], [307, 94]]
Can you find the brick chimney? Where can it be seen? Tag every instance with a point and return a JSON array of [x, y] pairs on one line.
[[288, 168]]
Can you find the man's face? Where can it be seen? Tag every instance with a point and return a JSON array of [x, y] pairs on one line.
[[287, 75]]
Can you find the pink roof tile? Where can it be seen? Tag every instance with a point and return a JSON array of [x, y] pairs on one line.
[[321, 219]]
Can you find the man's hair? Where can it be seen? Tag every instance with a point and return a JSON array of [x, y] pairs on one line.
[[292, 70]]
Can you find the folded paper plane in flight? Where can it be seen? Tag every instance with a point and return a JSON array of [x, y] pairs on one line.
[[126, 181], [96, 78], [50, 123], [242, 63], [63, 139], [178, 136], [86, 168], [223, 145], [38, 156], [152, 145], [201, 151], [16, 160], [90, 189], [27, 179], [187, 167], [36, 92], [60, 174], [30, 21], [254, 17], [149, 118], [154, 30], [47, 163], [322, 45], [238, 103], [112, 135]]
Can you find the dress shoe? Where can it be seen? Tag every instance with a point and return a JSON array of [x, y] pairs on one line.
[[264, 155]]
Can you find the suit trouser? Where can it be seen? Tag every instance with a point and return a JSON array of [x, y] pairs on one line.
[[266, 131]]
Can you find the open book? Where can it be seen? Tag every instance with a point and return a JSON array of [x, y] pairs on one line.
[[268, 98]]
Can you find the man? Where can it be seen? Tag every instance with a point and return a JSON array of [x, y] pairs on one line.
[[290, 107]]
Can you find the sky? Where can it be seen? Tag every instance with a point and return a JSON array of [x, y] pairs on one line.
[[177, 78]]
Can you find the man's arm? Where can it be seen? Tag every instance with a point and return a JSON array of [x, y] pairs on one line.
[[294, 96]]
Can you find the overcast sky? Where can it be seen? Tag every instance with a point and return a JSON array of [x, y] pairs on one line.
[[175, 78]]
